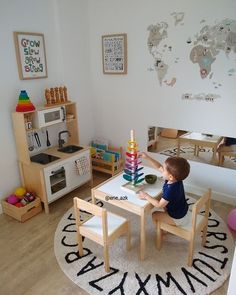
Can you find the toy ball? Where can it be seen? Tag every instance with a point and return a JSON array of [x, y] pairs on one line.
[[19, 205], [12, 199], [20, 191], [231, 219], [150, 178]]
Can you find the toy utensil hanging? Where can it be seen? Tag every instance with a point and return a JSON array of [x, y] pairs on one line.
[[30, 142], [48, 142]]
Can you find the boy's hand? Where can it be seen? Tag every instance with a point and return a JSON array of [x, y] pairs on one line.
[[142, 195], [144, 155]]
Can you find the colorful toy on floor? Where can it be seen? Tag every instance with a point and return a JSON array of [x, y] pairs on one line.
[[231, 219], [132, 166], [24, 103], [20, 192], [12, 199]]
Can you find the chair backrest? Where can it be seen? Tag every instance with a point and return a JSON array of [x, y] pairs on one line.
[[93, 209], [202, 204]]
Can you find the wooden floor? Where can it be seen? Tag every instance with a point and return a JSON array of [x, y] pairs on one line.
[[27, 262]]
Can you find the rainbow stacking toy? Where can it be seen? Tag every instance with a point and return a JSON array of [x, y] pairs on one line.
[[132, 167], [24, 103]]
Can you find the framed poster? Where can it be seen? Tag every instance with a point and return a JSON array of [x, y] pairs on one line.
[[30, 55], [114, 54]]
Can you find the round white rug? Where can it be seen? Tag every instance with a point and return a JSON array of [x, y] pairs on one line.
[[162, 272]]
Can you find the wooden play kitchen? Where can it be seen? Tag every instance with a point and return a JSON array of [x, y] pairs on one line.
[[58, 168]]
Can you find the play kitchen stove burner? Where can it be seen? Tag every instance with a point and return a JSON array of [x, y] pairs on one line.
[[43, 158]]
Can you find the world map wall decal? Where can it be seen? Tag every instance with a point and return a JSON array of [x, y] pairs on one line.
[[203, 53]]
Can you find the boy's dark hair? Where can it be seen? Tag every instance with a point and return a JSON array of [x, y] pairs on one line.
[[178, 167]]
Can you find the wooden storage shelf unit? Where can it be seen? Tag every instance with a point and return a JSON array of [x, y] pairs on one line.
[[112, 167]]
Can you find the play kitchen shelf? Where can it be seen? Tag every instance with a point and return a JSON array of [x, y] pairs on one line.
[[52, 172]]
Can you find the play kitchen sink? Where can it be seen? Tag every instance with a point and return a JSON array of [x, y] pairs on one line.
[[69, 149]]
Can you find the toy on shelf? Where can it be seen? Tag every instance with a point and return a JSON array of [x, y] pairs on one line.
[[24, 103], [132, 167], [56, 95]]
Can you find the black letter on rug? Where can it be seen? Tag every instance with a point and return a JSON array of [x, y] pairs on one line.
[[77, 256], [142, 284], [89, 267], [120, 286], [93, 283], [167, 283], [189, 274], [218, 236], [68, 230], [225, 250], [202, 272], [223, 262]]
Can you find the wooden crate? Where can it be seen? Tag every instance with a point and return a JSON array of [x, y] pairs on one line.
[[22, 213]]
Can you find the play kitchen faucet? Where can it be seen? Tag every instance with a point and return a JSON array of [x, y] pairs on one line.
[[60, 140]]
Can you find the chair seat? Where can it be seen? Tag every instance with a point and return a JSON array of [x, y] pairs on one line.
[[95, 223], [188, 226]]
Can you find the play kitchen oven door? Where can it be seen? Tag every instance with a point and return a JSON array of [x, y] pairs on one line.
[[50, 116], [56, 180]]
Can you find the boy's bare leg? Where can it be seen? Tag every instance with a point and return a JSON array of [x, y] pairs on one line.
[[164, 217]]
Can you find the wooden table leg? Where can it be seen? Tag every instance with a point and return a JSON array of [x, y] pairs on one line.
[[93, 197], [214, 158], [142, 236]]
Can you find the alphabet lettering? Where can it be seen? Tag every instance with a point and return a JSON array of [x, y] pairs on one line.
[[142, 284], [112, 272], [189, 274], [89, 267], [167, 283], [74, 256]]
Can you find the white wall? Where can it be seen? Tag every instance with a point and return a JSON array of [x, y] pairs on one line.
[[136, 100], [65, 31]]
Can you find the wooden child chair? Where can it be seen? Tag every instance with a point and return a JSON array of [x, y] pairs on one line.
[[102, 227], [197, 223], [224, 154]]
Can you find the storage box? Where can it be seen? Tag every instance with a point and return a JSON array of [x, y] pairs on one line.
[[22, 213]]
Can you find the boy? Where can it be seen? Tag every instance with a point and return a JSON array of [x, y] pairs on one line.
[[174, 171]]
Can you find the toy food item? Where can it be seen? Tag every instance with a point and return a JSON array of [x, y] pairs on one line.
[[12, 199], [19, 205], [19, 192], [150, 178]]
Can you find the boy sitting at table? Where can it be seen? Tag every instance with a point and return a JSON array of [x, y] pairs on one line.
[[173, 201]]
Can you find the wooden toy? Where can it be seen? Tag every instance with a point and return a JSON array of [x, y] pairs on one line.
[[56, 95], [24, 104], [132, 169], [65, 93], [56, 90], [47, 96], [53, 101], [61, 94]]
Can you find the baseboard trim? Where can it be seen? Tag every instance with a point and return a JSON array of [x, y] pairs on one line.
[[221, 197]]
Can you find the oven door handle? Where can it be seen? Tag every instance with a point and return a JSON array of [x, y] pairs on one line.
[[62, 169]]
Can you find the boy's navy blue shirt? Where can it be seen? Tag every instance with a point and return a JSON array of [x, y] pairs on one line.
[[174, 194]]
